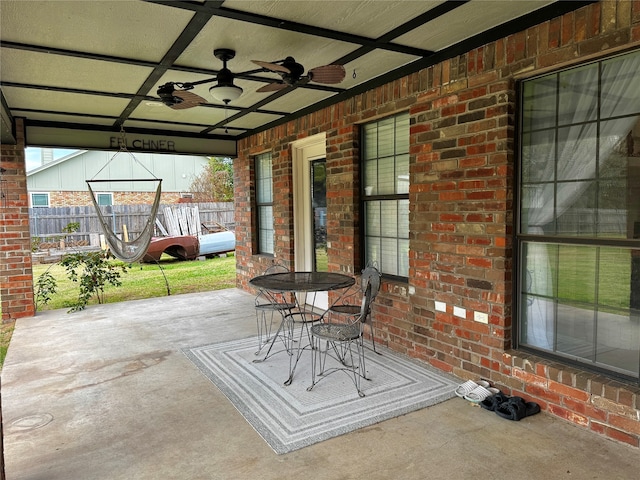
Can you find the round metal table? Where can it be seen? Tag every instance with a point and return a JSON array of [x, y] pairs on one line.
[[303, 282]]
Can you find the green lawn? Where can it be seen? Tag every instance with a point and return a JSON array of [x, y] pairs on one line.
[[143, 280], [147, 280]]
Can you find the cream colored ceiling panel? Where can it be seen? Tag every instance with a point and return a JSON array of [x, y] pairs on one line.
[[253, 120], [368, 18], [28, 98], [197, 115], [297, 100], [373, 65], [70, 72], [119, 28], [256, 42], [466, 21]]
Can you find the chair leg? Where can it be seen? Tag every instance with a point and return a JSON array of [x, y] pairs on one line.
[[280, 333], [264, 329], [373, 337], [355, 368]]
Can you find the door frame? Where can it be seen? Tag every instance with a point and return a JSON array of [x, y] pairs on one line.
[[303, 152]]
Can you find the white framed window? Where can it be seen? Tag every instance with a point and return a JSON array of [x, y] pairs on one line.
[[264, 203], [40, 199], [578, 234], [104, 199], [385, 194]]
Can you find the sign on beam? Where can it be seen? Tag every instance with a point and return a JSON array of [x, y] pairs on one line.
[[58, 137]]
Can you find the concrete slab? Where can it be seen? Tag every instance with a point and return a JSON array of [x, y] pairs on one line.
[[107, 394]]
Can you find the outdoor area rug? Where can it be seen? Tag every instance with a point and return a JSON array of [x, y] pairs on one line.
[[290, 417]]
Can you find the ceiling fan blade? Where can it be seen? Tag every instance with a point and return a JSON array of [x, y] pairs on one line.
[[272, 87], [274, 67], [189, 100], [327, 74]]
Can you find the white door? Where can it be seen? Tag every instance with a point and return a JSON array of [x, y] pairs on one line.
[[309, 208]]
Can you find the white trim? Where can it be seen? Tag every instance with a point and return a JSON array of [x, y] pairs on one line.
[[31, 194], [303, 152]]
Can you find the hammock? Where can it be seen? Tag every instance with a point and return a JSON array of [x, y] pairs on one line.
[[125, 250], [134, 250]]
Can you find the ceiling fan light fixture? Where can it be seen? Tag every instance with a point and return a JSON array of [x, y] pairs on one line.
[[225, 93]]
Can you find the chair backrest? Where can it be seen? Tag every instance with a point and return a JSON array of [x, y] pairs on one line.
[[366, 304], [276, 268], [371, 278], [271, 297]]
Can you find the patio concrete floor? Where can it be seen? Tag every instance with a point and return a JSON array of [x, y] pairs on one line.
[[107, 394]]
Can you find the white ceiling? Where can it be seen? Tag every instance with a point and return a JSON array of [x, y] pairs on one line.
[[73, 65]]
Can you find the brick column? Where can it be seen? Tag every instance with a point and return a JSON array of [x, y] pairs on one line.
[[16, 278]]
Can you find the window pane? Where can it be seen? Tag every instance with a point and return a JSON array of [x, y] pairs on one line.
[[371, 177], [618, 341], [403, 258], [386, 176], [386, 137], [577, 152], [389, 214], [539, 103], [614, 278], [576, 331], [576, 217], [577, 273], [403, 219], [373, 249], [619, 76], [389, 255], [576, 101], [370, 141], [402, 174], [104, 199], [538, 156], [538, 209], [40, 199], [265, 234], [539, 269], [373, 219], [264, 179]]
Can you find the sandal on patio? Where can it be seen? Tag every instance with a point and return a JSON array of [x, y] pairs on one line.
[[531, 409], [468, 386], [479, 393], [513, 409], [494, 401]]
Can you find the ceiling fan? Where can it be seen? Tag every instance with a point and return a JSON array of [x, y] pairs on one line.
[[177, 96], [292, 72]]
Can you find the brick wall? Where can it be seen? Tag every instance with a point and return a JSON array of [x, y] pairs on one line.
[[82, 198], [462, 158], [16, 284]]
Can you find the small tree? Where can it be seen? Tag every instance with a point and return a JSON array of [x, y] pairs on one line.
[[93, 271], [215, 183]]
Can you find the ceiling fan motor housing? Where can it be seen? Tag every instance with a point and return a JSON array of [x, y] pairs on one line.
[[295, 70]]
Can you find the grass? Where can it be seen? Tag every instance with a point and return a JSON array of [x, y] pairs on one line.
[[143, 280]]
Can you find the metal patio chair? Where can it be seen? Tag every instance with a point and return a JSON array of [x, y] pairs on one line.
[[343, 346], [348, 305], [272, 306]]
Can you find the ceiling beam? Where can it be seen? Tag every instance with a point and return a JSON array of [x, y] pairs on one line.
[[281, 24]]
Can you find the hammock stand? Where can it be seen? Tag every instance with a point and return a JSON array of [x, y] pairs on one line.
[[125, 250]]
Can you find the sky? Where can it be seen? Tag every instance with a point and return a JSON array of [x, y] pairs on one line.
[[34, 156]]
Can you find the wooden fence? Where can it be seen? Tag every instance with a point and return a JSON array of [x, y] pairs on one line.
[[49, 224]]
